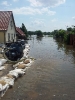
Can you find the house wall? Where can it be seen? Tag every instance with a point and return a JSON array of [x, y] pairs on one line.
[[11, 32], [2, 37]]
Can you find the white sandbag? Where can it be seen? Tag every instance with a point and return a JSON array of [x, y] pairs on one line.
[[21, 66], [14, 74], [1, 87], [4, 89], [2, 67], [2, 61], [17, 72], [27, 45], [7, 80], [26, 51], [25, 56], [17, 64], [28, 62], [28, 65]]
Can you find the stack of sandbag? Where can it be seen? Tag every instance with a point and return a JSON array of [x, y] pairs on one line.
[[5, 83], [19, 70], [3, 88], [26, 51], [8, 80], [24, 64]]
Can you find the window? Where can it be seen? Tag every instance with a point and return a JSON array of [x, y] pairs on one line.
[[14, 35], [11, 37], [8, 37]]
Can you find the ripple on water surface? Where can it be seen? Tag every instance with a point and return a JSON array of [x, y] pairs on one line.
[[51, 76]]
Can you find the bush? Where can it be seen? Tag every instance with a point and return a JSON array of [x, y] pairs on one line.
[[39, 33], [67, 38]]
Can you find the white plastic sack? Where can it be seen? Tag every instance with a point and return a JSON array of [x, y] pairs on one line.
[[17, 72], [9, 81], [26, 51], [2, 67], [2, 61], [3, 89], [13, 73], [17, 64]]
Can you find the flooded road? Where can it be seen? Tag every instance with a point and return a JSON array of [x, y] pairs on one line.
[[51, 76]]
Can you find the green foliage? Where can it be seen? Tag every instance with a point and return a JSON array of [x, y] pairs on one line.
[[59, 33], [39, 33], [35, 33], [67, 38], [69, 29], [23, 28]]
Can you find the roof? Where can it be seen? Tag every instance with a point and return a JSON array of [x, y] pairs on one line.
[[20, 31], [4, 19]]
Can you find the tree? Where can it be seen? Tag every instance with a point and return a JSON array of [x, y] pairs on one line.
[[39, 33], [69, 29], [23, 28], [61, 33]]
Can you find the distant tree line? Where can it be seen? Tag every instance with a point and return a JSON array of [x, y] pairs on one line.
[[39, 33], [63, 34]]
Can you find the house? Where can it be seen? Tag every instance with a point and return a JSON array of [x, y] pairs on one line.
[[20, 34], [7, 27]]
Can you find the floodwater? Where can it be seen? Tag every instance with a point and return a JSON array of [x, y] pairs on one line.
[[51, 76]]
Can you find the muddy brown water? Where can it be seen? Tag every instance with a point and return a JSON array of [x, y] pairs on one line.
[[51, 76]]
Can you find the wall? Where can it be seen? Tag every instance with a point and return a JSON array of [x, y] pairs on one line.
[[11, 30], [1, 37]]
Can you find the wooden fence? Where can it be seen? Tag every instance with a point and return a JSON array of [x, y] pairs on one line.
[[72, 39]]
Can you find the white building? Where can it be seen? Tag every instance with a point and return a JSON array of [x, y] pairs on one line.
[[7, 27]]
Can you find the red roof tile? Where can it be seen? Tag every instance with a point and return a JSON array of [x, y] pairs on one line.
[[4, 19], [20, 31]]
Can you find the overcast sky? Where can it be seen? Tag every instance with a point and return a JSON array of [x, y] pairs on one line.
[[44, 15]]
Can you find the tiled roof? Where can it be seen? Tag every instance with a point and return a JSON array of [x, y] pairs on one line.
[[20, 31], [4, 19]]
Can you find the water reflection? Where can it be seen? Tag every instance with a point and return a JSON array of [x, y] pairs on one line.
[[60, 44], [68, 49], [39, 38], [51, 76]]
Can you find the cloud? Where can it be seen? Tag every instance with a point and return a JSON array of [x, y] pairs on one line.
[[54, 20], [73, 18], [47, 3], [15, 0], [32, 11], [38, 23], [5, 3], [35, 3]]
